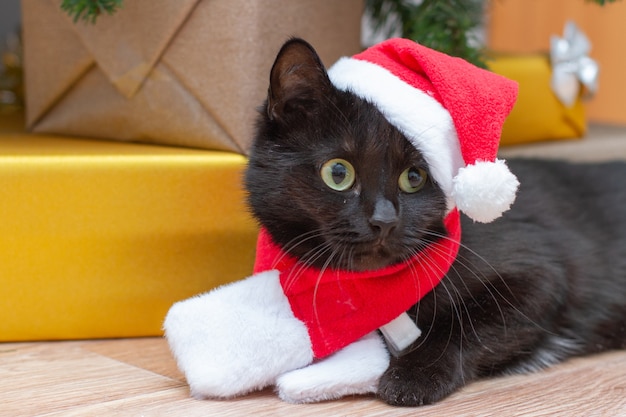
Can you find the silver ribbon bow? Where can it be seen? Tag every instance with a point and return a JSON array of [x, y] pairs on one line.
[[571, 66]]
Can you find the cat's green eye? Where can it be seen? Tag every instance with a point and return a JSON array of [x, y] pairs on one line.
[[338, 174], [412, 179]]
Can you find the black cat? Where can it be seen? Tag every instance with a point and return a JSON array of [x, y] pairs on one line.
[[545, 282]]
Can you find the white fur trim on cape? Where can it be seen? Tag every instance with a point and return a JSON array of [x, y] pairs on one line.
[[421, 118], [355, 369], [485, 190], [237, 338]]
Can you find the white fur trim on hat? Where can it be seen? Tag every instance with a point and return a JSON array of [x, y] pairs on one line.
[[420, 117], [485, 181]]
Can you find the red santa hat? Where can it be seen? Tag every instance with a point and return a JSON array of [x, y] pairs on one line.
[[450, 110]]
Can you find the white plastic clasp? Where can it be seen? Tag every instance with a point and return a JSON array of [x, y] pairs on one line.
[[400, 333]]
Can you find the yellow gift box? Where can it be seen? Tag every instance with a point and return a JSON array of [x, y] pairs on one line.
[[538, 114], [98, 239]]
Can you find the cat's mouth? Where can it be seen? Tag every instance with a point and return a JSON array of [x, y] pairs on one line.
[[378, 256], [373, 262]]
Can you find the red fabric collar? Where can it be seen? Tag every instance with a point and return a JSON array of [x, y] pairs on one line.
[[339, 307]]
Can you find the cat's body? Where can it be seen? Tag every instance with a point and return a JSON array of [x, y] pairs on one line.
[[544, 282]]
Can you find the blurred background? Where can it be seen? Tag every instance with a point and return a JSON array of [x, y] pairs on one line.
[[9, 17], [487, 27]]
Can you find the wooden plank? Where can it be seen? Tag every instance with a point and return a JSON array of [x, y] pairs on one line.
[[139, 377]]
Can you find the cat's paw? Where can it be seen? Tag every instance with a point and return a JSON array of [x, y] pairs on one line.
[[354, 370], [404, 386]]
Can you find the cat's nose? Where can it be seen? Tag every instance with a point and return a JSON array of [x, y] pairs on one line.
[[385, 217]]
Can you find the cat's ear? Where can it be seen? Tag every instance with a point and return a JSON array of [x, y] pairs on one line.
[[298, 81]]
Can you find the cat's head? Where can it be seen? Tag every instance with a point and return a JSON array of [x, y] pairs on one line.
[[332, 181]]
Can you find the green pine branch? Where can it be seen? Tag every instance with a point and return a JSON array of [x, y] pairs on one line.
[[602, 2], [444, 25], [89, 10]]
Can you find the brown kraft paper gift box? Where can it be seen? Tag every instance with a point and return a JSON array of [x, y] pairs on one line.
[[174, 72]]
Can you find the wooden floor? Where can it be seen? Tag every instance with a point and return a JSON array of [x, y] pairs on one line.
[[138, 377]]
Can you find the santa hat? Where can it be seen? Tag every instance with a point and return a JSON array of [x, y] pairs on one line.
[[450, 110]]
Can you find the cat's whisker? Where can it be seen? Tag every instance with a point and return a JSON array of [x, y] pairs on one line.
[[318, 281], [430, 328], [414, 250], [296, 242], [305, 260], [461, 296], [443, 285], [494, 292]]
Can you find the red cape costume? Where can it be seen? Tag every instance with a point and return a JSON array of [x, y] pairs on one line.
[[339, 307]]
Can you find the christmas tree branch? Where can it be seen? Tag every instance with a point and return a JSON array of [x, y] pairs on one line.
[[446, 25], [89, 10]]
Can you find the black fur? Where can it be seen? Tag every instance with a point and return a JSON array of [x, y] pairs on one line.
[[544, 282]]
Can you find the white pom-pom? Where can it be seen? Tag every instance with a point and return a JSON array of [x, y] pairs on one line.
[[484, 190]]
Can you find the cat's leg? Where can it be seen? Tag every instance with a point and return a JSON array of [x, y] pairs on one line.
[[237, 338], [423, 376], [355, 369], [490, 332]]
